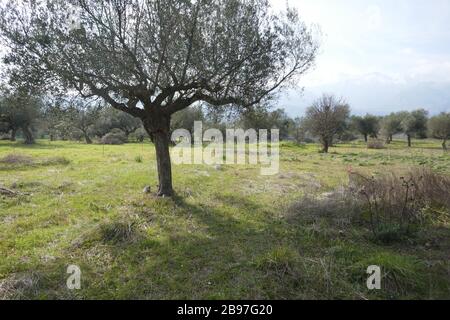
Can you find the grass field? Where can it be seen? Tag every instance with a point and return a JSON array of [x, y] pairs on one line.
[[226, 235]]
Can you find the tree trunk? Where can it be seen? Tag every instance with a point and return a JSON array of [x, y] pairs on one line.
[[158, 128], [365, 138], [388, 140], [444, 144], [164, 165], [326, 145], [87, 138], [13, 134], [29, 139], [409, 141]]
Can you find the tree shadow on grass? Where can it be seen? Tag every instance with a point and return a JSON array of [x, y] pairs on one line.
[[212, 256]]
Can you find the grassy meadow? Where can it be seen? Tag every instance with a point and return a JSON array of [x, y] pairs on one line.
[[229, 233]]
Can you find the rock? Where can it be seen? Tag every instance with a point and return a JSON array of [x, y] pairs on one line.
[[147, 189], [218, 167]]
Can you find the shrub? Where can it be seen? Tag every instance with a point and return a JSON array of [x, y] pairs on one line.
[[375, 144], [398, 200], [395, 207], [114, 138], [138, 159]]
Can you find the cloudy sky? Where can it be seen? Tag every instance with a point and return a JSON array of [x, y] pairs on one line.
[[381, 55]]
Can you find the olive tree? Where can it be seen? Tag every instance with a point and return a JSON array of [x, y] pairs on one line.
[[82, 116], [391, 125], [125, 122], [327, 117], [19, 110], [414, 124], [439, 127], [153, 58], [368, 126]]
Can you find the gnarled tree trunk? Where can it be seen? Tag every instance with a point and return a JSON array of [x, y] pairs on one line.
[[29, 139], [158, 128], [326, 145], [13, 134], [87, 138]]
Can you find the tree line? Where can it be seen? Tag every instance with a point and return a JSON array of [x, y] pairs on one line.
[[327, 121]]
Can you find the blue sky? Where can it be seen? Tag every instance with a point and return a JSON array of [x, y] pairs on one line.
[[381, 55]]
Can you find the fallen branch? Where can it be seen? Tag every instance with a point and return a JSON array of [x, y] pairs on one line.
[[7, 192]]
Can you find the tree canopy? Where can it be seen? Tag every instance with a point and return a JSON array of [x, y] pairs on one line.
[[326, 118], [439, 127]]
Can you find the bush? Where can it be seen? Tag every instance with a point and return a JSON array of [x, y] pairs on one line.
[[375, 144], [400, 200], [394, 207], [114, 138]]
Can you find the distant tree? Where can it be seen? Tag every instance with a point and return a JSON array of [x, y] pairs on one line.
[[261, 118], [279, 119], [299, 129], [20, 110], [326, 118], [82, 116], [125, 122], [414, 124], [391, 125], [368, 126], [152, 59], [140, 134], [185, 118], [55, 119], [439, 127]]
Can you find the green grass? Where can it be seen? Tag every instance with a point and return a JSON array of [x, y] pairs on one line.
[[224, 235]]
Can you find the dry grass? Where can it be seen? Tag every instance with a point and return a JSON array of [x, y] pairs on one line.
[[17, 159], [338, 207], [19, 286], [398, 198]]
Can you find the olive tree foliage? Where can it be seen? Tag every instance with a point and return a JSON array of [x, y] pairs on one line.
[[439, 128], [262, 118], [368, 126], [326, 118], [19, 110], [186, 118], [153, 58], [82, 115], [414, 124], [124, 121], [391, 125]]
